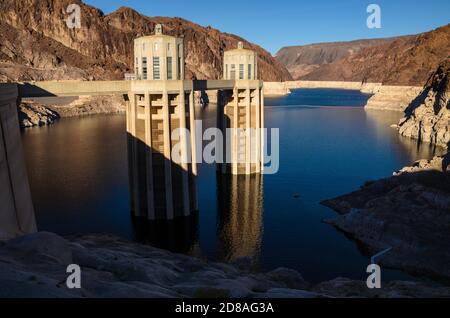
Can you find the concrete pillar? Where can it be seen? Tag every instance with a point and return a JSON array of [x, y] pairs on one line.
[[258, 130], [184, 153], [235, 126], [167, 156], [248, 141], [193, 149], [262, 129], [244, 119], [222, 125], [149, 158], [16, 208], [133, 156]]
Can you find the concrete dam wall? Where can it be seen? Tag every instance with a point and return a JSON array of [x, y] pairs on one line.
[[16, 208]]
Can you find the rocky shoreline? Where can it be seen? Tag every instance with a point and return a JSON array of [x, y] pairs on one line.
[[35, 266], [34, 113], [408, 212]]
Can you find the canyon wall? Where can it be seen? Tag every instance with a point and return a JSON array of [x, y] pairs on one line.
[[304, 59], [36, 44], [402, 61]]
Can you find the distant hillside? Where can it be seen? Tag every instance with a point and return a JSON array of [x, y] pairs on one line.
[[302, 60], [404, 61], [35, 43]]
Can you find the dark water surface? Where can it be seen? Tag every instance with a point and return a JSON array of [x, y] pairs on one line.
[[329, 146]]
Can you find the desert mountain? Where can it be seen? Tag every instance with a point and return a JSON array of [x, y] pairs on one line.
[[404, 61], [36, 44], [302, 60]]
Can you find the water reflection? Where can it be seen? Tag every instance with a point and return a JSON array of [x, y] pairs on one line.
[[240, 217], [382, 122]]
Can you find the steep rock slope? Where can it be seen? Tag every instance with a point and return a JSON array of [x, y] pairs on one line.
[[35, 43], [428, 117], [406, 61], [302, 60]]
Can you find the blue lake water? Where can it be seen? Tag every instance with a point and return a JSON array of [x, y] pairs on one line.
[[329, 146]]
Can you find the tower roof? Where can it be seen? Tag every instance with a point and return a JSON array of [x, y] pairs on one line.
[[240, 49]]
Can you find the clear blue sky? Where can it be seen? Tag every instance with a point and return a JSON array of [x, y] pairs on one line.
[[277, 23]]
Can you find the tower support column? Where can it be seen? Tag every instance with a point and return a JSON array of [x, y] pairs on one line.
[[244, 116], [161, 186]]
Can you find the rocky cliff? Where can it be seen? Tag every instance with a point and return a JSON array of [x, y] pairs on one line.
[[36, 44], [428, 116], [407, 61], [302, 60]]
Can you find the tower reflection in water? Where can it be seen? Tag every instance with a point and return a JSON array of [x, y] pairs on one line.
[[240, 226]]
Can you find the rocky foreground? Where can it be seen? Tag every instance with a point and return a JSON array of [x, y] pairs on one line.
[[409, 212], [35, 266]]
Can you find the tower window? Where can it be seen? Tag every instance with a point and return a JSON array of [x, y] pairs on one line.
[[156, 68], [241, 71], [233, 72], [250, 72], [226, 72], [169, 68], [144, 68]]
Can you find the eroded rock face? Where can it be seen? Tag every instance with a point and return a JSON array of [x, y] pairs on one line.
[[428, 117], [304, 59], [36, 44], [34, 114], [409, 212], [408, 61]]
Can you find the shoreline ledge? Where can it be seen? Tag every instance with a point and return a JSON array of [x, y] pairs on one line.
[[408, 212], [35, 266]]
